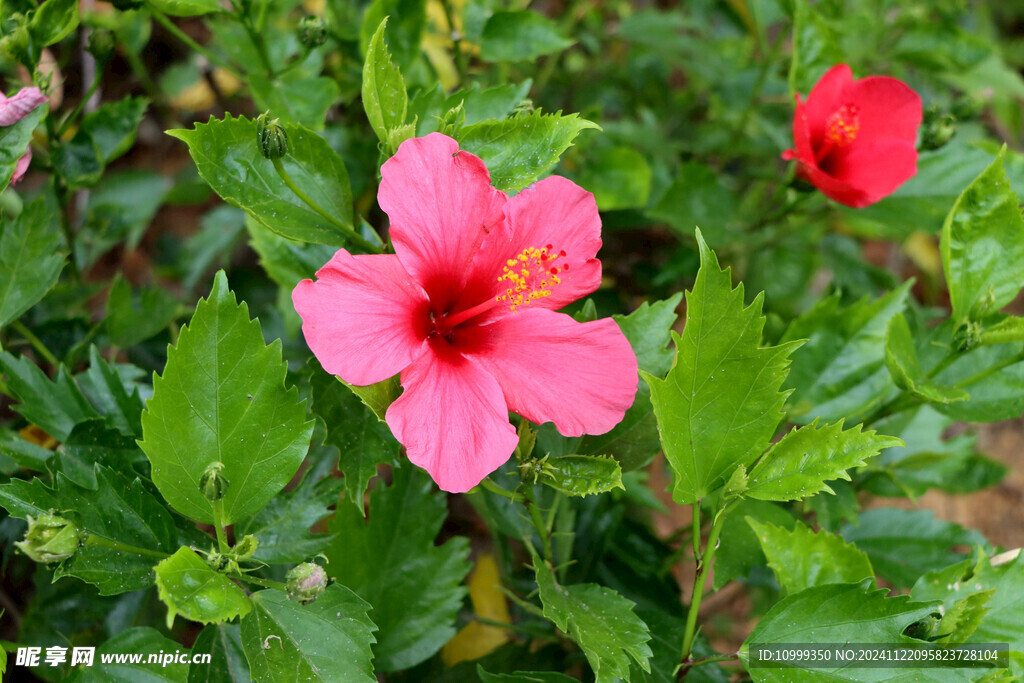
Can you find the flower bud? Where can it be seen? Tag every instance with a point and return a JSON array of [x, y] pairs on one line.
[[101, 45], [50, 538], [938, 129], [272, 137], [965, 336], [312, 32], [306, 582], [246, 548], [213, 483]]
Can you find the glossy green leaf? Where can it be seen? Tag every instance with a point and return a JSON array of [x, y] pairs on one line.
[[840, 372], [387, 560], [186, 8], [228, 157], [905, 368], [53, 21], [362, 440], [283, 525], [619, 177], [55, 406], [994, 378], [191, 588], [803, 559], [1008, 330], [14, 141], [520, 149], [582, 475], [964, 617], [119, 510], [741, 552], [384, 98], [30, 259], [222, 398], [23, 453], [721, 402], [79, 161], [110, 388], [904, 544], [813, 616], [601, 621], [801, 463], [983, 246], [328, 640], [648, 330], [377, 397], [302, 101], [697, 198], [92, 442], [477, 104], [132, 317], [113, 125], [408, 19], [1002, 622], [223, 642], [815, 49], [520, 36], [138, 640]]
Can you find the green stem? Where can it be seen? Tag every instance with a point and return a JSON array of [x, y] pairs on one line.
[[222, 536], [350, 233], [703, 565], [977, 377], [266, 583], [68, 120], [36, 343], [183, 37], [538, 522], [101, 542], [495, 488], [456, 36], [696, 530], [945, 363]]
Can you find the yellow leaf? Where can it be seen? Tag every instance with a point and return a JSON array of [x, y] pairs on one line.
[[476, 639]]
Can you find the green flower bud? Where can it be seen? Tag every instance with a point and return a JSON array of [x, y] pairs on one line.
[[246, 548], [938, 128], [272, 137], [213, 483], [306, 582], [101, 45], [965, 336], [50, 538], [312, 32]]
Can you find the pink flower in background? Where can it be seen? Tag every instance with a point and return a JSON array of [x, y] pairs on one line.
[[14, 109], [465, 311]]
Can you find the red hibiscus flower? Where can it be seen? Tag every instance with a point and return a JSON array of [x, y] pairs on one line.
[[14, 109], [465, 310], [855, 139]]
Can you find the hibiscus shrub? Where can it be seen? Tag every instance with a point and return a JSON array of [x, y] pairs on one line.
[[668, 300]]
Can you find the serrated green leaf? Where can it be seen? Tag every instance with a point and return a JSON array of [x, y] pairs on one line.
[[120, 210], [599, 620], [815, 49], [79, 161], [94, 443], [134, 318], [283, 525], [964, 617], [905, 368], [362, 440], [384, 97], [835, 613], [53, 21], [1008, 330], [14, 141], [904, 544], [23, 453], [429, 107], [994, 378], [840, 372], [377, 397], [408, 20], [390, 560], [803, 559], [222, 398], [141, 640], [228, 157], [983, 245], [55, 406], [113, 391], [520, 149], [186, 8], [582, 475], [520, 36], [648, 330], [328, 640], [300, 101], [30, 259], [191, 588], [804, 459], [523, 677], [113, 125], [118, 510], [721, 401], [1002, 622], [223, 642], [695, 198], [741, 552]]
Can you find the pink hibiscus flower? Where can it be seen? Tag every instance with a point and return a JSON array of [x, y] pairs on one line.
[[465, 311], [14, 109]]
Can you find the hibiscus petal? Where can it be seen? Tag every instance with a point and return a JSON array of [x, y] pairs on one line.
[[876, 169], [559, 212], [15, 108], [452, 419], [364, 318], [803, 150], [22, 165], [441, 206], [827, 95], [886, 107], [581, 376]]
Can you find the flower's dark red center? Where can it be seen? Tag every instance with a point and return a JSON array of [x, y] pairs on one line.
[[840, 130], [528, 276]]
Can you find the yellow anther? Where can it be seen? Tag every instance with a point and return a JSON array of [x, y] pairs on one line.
[[530, 276]]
